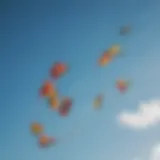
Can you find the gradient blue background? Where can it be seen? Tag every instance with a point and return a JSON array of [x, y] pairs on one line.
[[34, 34]]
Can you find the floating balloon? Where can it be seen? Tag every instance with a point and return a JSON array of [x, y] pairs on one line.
[[105, 59], [125, 30], [98, 102], [47, 89], [114, 50], [45, 141], [109, 55], [65, 106], [36, 128], [58, 69], [122, 85], [54, 102]]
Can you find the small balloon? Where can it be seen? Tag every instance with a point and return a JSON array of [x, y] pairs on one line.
[[114, 50], [122, 85], [104, 59], [58, 70], [125, 30], [45, 141], [98, 102], [36, 128], [47, 89], [65, 106], [54, 102]]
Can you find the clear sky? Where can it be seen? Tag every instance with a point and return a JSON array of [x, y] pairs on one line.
[[35, 34]]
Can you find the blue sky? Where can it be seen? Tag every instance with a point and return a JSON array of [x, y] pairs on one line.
[[37, 33]]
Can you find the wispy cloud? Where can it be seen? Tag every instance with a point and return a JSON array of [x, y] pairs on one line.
[[154, 153], [146, 115]]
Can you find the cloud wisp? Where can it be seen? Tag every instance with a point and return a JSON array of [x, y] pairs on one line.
[[154, 153], [147, 114]]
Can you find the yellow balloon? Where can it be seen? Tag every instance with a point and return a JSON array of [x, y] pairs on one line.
[[115, 49], [97, 103], [54, 102], [36, 128]]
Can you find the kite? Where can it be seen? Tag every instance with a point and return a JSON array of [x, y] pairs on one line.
[[58, 69], [122, 85], [124, 30], [98, 102], [65, 106], [36, 128], [45, 141]]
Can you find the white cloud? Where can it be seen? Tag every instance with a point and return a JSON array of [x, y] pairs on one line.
[[146, 115], [155, 153]]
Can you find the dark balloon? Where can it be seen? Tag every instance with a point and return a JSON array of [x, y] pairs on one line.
[[65, 106], [125, 30]]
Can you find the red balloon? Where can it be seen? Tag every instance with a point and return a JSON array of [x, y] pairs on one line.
[[122, 86], [46, 89], [122, 89], [58, 70]]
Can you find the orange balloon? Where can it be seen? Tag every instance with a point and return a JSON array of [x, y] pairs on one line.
[[58, 70], [47, 89], [122, 85], [36, 128], [54, 102], [62, 68], [105, 59], [46, 141], [43, 140]]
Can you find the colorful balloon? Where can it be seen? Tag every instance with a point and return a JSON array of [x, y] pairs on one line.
[[114, 50], [98, 102], [65, 106], [104, 59], [45, 141], [36, 128], [47, 89], [58, 69], [54, 102], [122, 85]]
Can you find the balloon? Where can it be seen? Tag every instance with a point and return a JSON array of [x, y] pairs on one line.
[[47, 89], [122, 85], [45, 141], [36, 128], [54, 102], [65, 106], [124, 30], [98, 102], [105, 59], [114, 50], [58, 69]]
